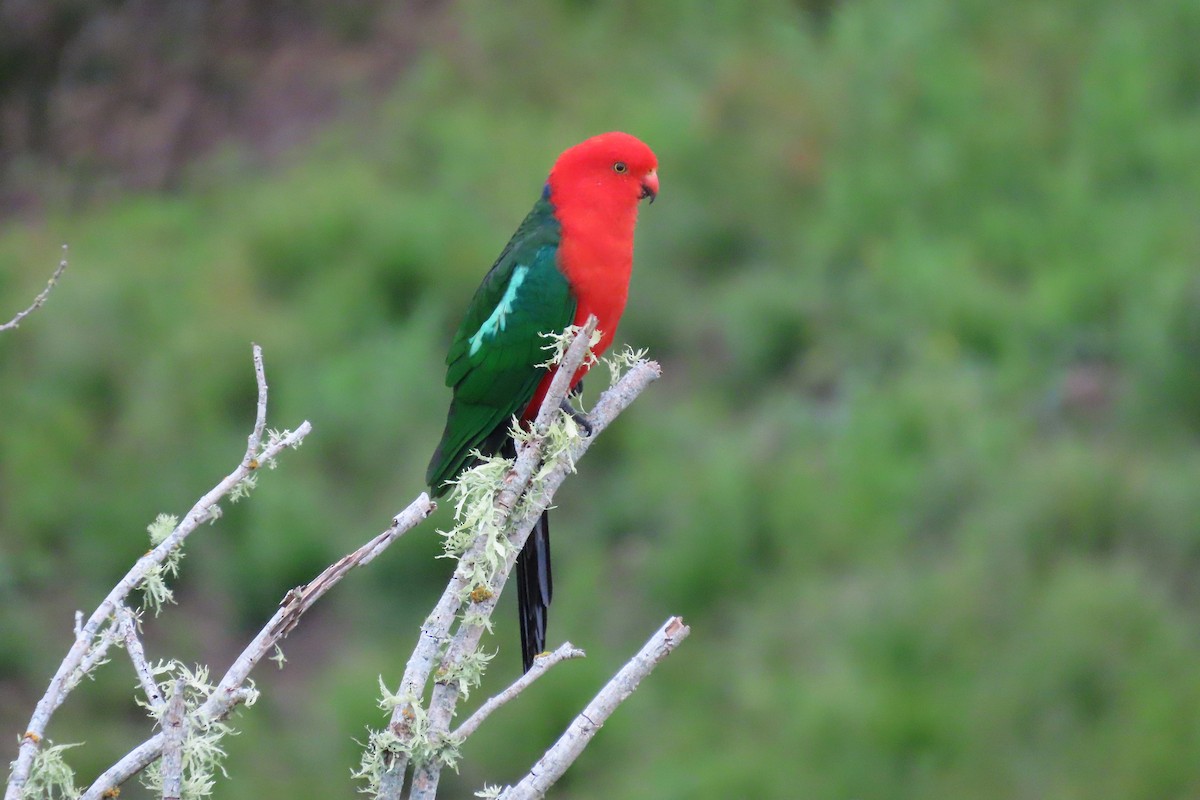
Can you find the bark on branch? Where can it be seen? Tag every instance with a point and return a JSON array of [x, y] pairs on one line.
[[541, 665], [554, 763], [174, 734]]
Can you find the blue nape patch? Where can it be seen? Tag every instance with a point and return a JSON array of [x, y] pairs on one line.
[[496, 321], [546, 191]]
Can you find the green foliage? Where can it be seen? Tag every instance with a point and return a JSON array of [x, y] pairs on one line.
[[921, 472]]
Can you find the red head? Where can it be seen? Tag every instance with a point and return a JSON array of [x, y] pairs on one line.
[[595, 187], [612, 171]]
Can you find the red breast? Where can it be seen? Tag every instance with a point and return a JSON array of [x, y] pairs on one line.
[[595, 188]]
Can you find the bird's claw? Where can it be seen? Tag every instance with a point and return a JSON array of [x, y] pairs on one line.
[[578, 416]]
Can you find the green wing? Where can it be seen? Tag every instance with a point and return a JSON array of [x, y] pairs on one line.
[[492, 363]]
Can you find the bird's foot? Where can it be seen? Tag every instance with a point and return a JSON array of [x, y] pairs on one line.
[[580, 418]]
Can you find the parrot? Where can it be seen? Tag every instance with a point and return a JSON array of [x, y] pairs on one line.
[[570, 257]]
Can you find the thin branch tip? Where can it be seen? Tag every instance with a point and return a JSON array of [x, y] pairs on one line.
[[42, 296], [580, 732]]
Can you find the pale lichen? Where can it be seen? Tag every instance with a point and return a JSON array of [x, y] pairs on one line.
[[203, 755], [466, 673], [50, 778], [245, 486], [414, 742], [623, 360], [155, 591], [474, 496], [559, 343]]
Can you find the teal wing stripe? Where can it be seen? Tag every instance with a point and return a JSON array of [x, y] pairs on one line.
[[497, 320]]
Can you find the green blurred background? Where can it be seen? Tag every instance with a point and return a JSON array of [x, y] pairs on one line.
[[922, 473]]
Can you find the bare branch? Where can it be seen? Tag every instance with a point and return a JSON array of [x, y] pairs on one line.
[[260, 414], [299, 600], [174, 734], [97, 654], [230, 692], [127, 626], [563, 753], [541, 665], [41, 298], [85, 645]]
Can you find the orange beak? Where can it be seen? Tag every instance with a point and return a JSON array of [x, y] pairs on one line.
[[650, 185]]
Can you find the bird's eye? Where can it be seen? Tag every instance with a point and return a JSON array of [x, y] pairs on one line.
[[620, 167]]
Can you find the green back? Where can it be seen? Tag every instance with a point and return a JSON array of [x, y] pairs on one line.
[[492, 363]]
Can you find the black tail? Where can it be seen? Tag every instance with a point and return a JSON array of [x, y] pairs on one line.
[[535, 588]]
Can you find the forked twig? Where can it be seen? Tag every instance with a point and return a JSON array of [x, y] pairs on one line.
[[231, 690], [87, 651]]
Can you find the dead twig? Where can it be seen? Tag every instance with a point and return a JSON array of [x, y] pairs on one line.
[[563, 753], [40, 300], [541, 665]]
